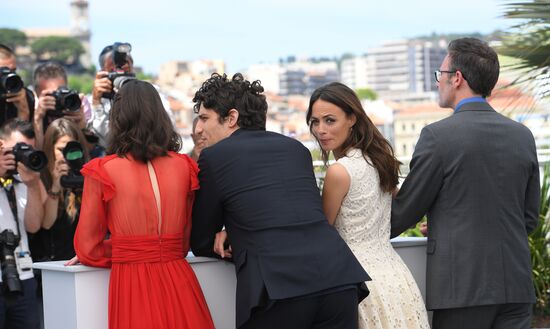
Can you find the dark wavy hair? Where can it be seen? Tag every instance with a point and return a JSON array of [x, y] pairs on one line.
[[139, 124], [477, 62], [220, 94], [364, 134]]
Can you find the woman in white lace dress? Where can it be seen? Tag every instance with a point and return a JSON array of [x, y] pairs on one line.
[[357, 197]]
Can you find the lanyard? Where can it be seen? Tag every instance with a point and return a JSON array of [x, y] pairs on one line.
[[9, 186]]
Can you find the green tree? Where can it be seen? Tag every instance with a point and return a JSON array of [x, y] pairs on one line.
[[63, 49], [83, 83], [366, 93], [12, 37], [529, 41]]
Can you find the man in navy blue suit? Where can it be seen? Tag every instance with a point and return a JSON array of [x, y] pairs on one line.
[[293, 269]]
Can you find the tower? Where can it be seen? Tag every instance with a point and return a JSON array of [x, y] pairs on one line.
[[80, 29]]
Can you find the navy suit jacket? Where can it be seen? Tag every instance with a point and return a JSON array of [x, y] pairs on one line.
[[261, 186]]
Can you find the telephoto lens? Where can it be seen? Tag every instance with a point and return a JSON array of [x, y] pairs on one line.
[[10, 277], [33, 159], [10, 82]]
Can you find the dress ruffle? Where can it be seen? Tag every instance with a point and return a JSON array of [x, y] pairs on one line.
[[193, 171], [94, 169]]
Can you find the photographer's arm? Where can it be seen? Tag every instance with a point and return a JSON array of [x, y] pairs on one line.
[[45, 102], [34, 210], [20, 101], [99, 122], [52, 198]]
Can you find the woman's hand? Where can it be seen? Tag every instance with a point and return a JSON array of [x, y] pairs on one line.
[[61, 169], [219, 248], [72, 261]]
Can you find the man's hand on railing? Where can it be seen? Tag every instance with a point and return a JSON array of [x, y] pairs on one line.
[[219, 245]]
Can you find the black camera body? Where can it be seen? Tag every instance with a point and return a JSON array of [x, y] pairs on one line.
[[10, 277], [33, 159], [65, 99], [74, 155], [119, 77], [10, 82]]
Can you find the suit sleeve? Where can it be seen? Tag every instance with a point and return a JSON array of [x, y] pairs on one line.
[[421, 186], [207, 211], [532, 197]]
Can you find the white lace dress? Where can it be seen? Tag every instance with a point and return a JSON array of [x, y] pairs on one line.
[[364, 223]]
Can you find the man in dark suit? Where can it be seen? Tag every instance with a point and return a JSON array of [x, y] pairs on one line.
[[293, 269], [476, 176]]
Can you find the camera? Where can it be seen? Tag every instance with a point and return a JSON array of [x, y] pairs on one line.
[[65, 98], [33, 159], [74, 155], [10, 82], [119, 77], [10, 277]]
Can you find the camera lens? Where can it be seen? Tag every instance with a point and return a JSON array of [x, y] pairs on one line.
[[36, 161], [12, 83], [72, 102]]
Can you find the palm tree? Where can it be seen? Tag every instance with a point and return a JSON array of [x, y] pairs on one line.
[[529, 42]]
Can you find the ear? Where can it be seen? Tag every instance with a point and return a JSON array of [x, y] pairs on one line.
[[353, 119], [232, 118], [459, 79]]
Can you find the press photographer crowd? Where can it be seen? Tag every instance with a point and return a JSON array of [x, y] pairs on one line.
[[47, 133]]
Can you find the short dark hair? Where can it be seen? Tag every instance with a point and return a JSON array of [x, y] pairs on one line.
[[220, 94], [139, 124], [106, 51], [477, 62], [48, 70], [6, 51], [24, 127]]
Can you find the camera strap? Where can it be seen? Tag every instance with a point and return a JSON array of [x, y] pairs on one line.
[[8, 184]]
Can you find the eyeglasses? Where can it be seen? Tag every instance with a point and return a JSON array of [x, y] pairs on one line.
[[438, 73]]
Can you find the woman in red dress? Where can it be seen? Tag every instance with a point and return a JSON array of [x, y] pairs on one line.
[[142, 195]]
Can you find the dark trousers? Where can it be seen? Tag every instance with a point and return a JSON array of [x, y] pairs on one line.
[[502, 316], [20, 312], [336, 310]]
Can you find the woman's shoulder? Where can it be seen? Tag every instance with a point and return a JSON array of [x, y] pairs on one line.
[[193, 167], [99, 162]]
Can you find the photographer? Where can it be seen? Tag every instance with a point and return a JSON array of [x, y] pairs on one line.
[[55, 100], [114, 60], [64, 193], [21, 210], [18, 102]]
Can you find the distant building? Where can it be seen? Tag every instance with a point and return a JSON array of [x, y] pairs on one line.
[[408, 123], [79, 28], [303, 77], [268, 74], [187, 76], [400, 71], [381, 114]]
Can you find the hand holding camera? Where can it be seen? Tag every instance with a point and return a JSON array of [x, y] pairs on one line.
[[61, 169], [12, 91], [102, 85], [118, 70], [24, 154], [7, 161]]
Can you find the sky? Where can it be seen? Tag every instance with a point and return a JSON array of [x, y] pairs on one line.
[[244, 32]]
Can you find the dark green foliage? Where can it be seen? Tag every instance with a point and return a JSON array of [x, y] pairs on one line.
[[61, 49]]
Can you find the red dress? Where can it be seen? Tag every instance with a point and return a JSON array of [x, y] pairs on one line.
[[151, 284]]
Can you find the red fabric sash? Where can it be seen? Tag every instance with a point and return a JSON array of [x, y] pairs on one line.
[[147, 249]]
